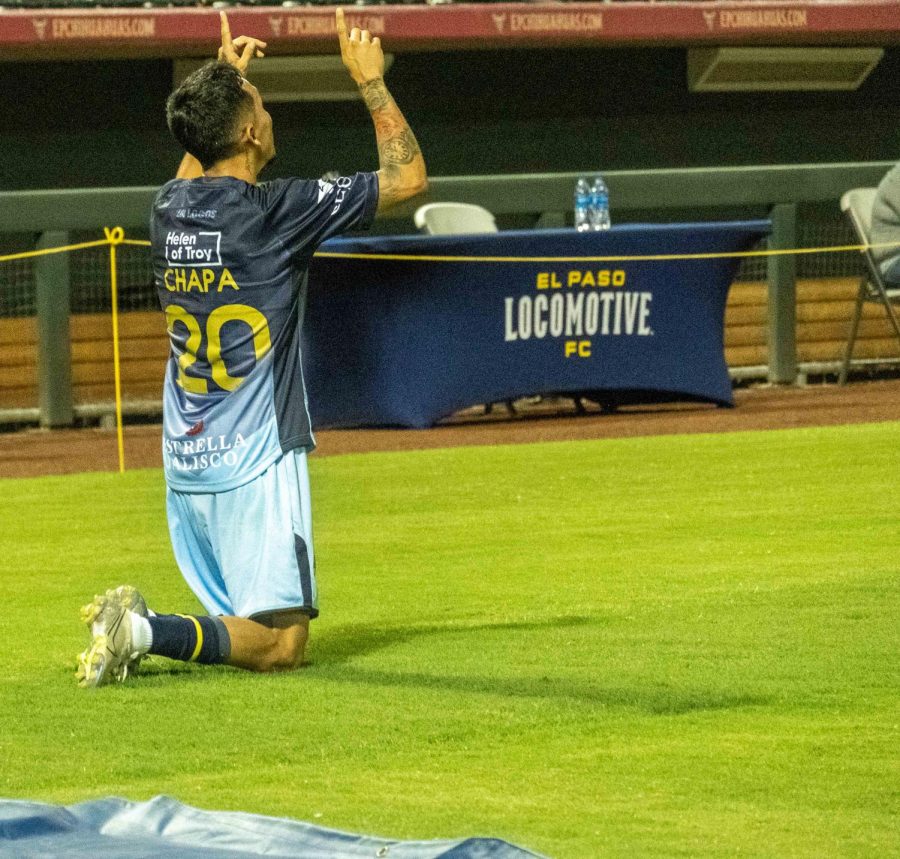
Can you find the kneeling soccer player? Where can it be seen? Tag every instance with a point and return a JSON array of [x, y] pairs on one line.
[[230, 260]]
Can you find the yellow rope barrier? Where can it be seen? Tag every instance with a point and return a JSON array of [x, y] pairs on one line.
[[120, 239], [47, 251], [642, 258], [115, 237]]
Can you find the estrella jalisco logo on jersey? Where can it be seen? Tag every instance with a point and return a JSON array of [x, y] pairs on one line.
[[238, 435], [576, 306]]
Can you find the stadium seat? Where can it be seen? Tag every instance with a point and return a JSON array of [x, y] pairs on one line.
[[857, 206], [454, 219]]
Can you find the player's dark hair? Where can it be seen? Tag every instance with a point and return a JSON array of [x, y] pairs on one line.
[[204, 112]]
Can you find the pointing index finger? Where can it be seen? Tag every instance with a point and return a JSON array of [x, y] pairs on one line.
[[341, 27], [226, 30]]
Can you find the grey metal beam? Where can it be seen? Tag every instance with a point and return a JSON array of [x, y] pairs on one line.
[[659, 189], [74, 209], [782, 321], [53, 301]]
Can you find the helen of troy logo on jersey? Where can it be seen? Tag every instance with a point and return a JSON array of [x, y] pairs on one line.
[[194, 249]]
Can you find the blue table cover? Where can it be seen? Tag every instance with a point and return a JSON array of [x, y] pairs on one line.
[[409, 341], [163, 827]]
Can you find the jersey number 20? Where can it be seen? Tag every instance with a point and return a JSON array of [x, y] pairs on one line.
[[262, 342]]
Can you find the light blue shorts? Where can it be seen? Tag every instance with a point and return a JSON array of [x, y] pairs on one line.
[[249, 551]]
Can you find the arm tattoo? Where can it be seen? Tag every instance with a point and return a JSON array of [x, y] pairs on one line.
[[401, 149], [398, 151], [375, 95], [397, 146], [388, 124]]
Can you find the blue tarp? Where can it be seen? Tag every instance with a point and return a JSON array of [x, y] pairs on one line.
[[163, 827]]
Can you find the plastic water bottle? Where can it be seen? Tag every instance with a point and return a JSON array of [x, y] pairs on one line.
[[582, 205], [599, 205]]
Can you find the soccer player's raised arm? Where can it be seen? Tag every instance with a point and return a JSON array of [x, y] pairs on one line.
[[238, 53], [401, 173]]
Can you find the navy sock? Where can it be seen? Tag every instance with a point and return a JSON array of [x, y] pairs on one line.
[[190, 638]]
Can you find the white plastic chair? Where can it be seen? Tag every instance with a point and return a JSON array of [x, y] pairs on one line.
[[454, 219], [856, 204]]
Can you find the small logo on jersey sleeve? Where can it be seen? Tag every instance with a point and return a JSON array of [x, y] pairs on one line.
[[343, 183], [191, 249], [325, 188]]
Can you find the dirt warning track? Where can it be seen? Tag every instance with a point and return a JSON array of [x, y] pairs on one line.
[[31, 453]]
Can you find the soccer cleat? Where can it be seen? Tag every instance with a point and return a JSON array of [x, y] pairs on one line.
[[111, 655], [80, 671], [125, 595], [129, 597]]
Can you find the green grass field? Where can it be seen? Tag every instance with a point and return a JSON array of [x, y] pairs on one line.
[[673, 646]]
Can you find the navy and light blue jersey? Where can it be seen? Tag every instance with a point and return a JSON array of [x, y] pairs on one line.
[[230, 261]]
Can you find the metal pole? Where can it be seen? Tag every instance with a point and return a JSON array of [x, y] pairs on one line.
[[53, 291], [782, 269]]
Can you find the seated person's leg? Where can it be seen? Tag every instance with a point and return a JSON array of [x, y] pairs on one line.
[[891, 274]]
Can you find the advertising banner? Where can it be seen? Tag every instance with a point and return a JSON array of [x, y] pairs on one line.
[[407, 330]]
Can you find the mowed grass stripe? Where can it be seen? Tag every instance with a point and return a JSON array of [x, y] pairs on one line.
[[683, 645]]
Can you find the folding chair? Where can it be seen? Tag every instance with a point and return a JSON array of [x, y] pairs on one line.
[[857, 206], [454, 219]]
